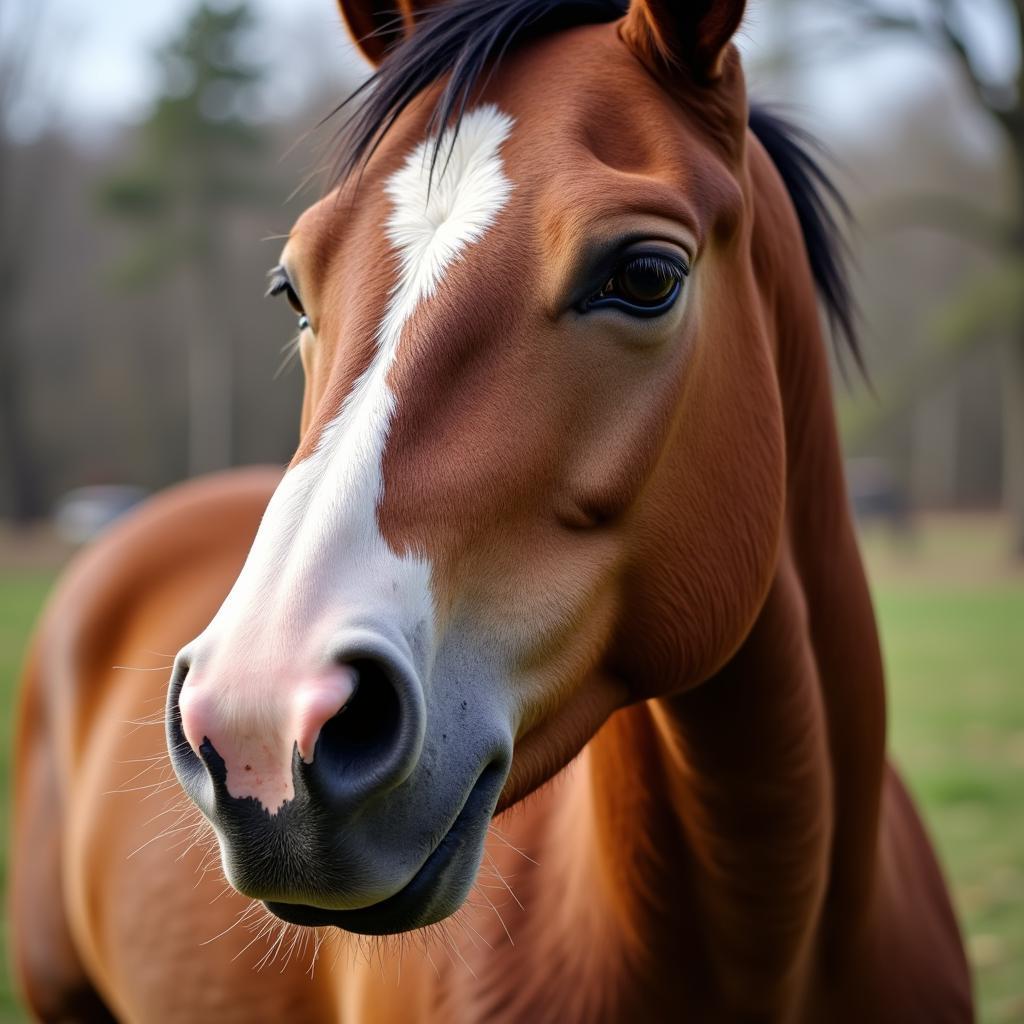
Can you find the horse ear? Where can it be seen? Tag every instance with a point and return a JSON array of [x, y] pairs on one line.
[[378, 25], [689, 34]]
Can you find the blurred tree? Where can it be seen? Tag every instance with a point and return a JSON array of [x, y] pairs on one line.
[[21, 69], [192, 168], [987, 304]]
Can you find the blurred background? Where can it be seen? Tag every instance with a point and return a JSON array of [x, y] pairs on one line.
[[151, 153]]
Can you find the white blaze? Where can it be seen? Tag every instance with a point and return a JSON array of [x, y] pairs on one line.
[[319, 561]]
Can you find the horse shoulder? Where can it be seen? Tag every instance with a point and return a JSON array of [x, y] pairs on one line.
[[922, 969], [98, 664]]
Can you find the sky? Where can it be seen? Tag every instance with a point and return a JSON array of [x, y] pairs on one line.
[[104, 75]]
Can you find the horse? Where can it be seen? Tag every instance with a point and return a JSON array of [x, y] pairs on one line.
[[544, 684]]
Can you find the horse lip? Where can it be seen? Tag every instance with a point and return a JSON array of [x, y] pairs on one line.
[[398, 912]]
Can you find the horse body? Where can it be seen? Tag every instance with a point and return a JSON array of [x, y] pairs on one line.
[[674, 872], [622, 869], [729, 845]]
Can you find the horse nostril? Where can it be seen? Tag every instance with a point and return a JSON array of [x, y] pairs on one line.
[[367, 726], [341, 736], [368, 743]]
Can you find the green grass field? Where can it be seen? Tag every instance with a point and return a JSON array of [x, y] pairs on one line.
[[952, 620], [21, 595]]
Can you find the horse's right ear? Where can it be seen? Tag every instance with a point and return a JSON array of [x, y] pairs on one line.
[[378, 25], [691, 35]]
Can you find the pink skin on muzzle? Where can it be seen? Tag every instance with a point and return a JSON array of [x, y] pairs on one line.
[[257, 750]]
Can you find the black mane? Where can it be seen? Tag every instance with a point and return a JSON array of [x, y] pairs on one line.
[[466, 39], [794, 151]]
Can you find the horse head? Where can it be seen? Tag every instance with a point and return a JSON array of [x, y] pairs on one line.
[[541, 473]]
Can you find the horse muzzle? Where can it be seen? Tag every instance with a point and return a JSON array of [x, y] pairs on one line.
[[333, 799]]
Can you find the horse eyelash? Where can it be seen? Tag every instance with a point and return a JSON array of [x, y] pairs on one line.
[[650, 261], [280, 284], [278, 281], [647, 261]]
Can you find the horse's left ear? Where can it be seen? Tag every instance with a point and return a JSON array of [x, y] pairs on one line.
[[688, 34], [378, 25]]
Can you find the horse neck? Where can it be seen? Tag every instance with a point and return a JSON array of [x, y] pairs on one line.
[[739, 821]]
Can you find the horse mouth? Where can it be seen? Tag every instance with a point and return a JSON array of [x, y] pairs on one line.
[[436, 890]]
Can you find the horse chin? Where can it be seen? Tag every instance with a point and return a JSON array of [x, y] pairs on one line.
[[437, 889]]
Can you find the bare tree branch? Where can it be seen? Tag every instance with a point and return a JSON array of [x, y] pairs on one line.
[[943, 32]]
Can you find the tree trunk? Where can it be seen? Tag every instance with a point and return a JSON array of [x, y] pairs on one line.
[[1013, 351], [1013, 437], [19, 482], [210, 385], [20, 479], [211, 366], [935, 429]]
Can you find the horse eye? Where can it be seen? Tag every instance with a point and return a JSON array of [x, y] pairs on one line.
[[280, 284], [643, 286], [646, 282]]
